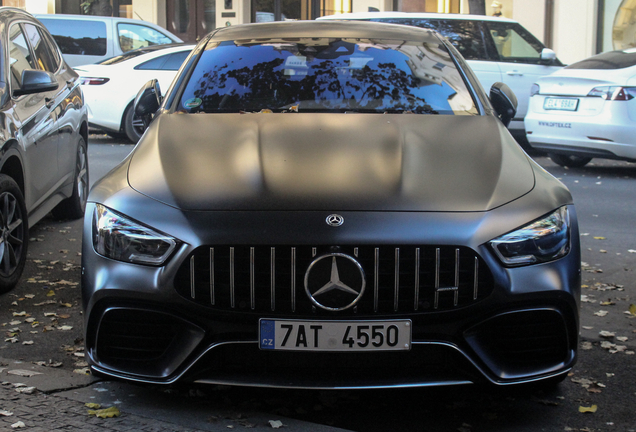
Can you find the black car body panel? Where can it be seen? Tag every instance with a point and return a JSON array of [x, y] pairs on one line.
[[249, 214]]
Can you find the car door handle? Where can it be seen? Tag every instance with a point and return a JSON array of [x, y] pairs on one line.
[[49, 102], [514, 73]]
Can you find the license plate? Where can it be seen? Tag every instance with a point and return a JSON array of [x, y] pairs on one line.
[[335, 335], [560, 104]]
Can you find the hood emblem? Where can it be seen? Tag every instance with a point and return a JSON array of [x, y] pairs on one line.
[[335, 282], [334, 220]]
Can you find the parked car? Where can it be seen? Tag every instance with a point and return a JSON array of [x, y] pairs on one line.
[[111, 85], [43, 163], [586, 110], [497, 49], [334, 197], [86, 39]]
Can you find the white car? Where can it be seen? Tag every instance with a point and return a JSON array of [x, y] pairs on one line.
[[86, 39], [111, 86], [587, 110], [496, 48]]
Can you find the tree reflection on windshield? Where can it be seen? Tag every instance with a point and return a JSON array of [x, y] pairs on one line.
[[326, 75]]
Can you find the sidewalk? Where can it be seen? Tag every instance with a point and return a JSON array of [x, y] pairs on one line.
[[44, 399]]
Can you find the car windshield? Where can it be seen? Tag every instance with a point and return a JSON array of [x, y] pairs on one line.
[[326, 75]]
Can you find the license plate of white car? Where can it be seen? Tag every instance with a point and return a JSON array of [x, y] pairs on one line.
[[560, 104], [392, 335]]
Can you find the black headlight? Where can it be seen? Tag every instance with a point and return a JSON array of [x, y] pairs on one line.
[[541, 241], [122, 239]]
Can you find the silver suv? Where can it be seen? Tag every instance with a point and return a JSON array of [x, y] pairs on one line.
[[497, 49]]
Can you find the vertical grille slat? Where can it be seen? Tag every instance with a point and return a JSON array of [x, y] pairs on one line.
[[417, 279], [271, 278], [232, 293], [397, 280], [212, 292], [252, 285]]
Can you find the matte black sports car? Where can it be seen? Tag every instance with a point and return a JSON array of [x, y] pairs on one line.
[[330, 205]]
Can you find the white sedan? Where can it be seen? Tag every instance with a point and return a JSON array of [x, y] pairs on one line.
[[111, 86], [586, 110]]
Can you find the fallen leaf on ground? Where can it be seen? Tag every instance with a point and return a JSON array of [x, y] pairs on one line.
[[18, 425], [591, 409], [606, 334], [23, 373], [601, 313], [599, 238], [105, 413], [93, 406], [5, 413], [20, 314], [632, 309], [276, 424]]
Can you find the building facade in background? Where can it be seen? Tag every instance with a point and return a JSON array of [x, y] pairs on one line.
[[575, 29]]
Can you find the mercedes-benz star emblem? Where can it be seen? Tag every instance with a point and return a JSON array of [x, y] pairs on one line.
[[335, 220], [335, 282]]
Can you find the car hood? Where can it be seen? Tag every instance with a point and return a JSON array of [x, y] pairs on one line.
[[302, 161]]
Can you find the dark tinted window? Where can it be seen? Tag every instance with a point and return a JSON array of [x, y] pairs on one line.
[[175, 60], [167, 62], [327, 75], [20, 57], [78, 36], [466, 36], [43, 55], [609, 60]]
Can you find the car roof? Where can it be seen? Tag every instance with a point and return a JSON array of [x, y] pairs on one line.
[[411, 15], [92, 18], [8, 13], [326, 28], [143, 54]]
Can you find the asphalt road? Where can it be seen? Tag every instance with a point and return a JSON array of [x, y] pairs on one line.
[[42, 321]]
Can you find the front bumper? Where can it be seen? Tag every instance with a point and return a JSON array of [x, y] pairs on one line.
[[142, 324]]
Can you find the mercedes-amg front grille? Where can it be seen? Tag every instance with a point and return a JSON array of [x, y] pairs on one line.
[[282, 279]]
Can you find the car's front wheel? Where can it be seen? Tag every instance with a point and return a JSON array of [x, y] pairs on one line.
[[570, 161], [133, 125], [74, 206], [14, 232]]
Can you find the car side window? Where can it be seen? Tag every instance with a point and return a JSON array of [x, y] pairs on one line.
[[78, 36], [466, 36], [175, 60], [20, 57], [43, 56], [514, 43], [133, 36]]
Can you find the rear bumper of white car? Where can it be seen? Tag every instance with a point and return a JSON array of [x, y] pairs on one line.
[[607, 134]]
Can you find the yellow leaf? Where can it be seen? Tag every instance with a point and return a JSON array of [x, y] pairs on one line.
[[591, 409], [632, 309], [599, 238], [51, 293], [105, 413], [93, 405]]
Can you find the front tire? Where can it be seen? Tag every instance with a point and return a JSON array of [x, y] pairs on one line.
[[570, 161], [133, 125], [14, 232], [74, 206]]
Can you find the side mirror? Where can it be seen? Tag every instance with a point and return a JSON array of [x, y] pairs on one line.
[[36, 81], [548, 56], [503, 101], [147, 101]]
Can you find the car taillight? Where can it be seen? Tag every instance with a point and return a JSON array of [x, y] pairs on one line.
[[93, 81], [615, 93]]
